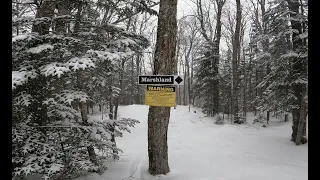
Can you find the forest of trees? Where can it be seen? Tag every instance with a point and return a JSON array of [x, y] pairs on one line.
[[262, 67], [73, 58], [67, 58]]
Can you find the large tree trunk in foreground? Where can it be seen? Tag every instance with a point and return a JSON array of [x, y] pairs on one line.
[[299, 68], [158, 117]]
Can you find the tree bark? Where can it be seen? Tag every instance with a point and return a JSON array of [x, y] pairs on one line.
[[302, 120], [83, 105], [84, 118], [236, 49], [256, 95], [299, 68], [132, 82], [184, 67], [112, 128], [217, 57], [191, 83], [245, 85], [121, 75], [138, 59], [265, 45], [46, 9], [175, 69], [214, 45], [286, 118], [64, 8], [158, 117]]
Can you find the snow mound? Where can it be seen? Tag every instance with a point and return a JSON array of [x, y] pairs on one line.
[[201, 150]]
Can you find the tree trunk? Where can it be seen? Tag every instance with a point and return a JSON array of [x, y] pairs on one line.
[[84, 116], [265, 46], [132, 82], [245, 85], [92, 155], [17, 27], [138, 100], [286, 118], [46, 9], [191, 83], [179, 99], [83, 105], [217, 58], [256, 84], [185, 84], [299, 68], [41, 117], [112, 128], [114, 115], [302, 120], [189, 89], [158, 117], [176, 68], [64, 8], [236, 49], [121, 90], [250, 72]]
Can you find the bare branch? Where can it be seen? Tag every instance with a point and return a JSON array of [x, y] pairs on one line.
[[200, 18]]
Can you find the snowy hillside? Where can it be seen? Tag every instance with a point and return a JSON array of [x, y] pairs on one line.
[[202, 150]]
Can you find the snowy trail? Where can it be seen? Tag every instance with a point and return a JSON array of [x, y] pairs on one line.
[[201, 150]]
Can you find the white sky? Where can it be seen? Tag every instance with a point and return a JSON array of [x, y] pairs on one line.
[[184, 8], [187, 7]]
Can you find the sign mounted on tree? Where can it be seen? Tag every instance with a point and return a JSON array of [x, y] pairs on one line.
[[164, 96], [161, 80]]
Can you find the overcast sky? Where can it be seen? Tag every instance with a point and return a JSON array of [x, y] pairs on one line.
[[185, 7]]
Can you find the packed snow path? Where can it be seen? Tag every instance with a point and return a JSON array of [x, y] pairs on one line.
[[202, 150]]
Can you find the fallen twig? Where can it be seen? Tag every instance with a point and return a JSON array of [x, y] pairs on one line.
[[133, 172]]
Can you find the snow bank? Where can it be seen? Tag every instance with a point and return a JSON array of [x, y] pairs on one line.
[[201, 150]]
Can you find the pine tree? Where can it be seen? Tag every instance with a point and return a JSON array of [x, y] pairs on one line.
[[298, 70], [57, 66], [205, 76], [207, 73], [286, 82]]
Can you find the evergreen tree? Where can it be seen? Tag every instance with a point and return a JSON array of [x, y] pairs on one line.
[[59, 65], [205, 76]]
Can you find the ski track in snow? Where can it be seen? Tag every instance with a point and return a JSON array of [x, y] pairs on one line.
[[201, 150]]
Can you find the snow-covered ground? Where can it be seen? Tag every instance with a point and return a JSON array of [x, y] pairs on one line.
[[202, 150]]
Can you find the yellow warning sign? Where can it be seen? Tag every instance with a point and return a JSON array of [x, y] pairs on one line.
[[161, 96]]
